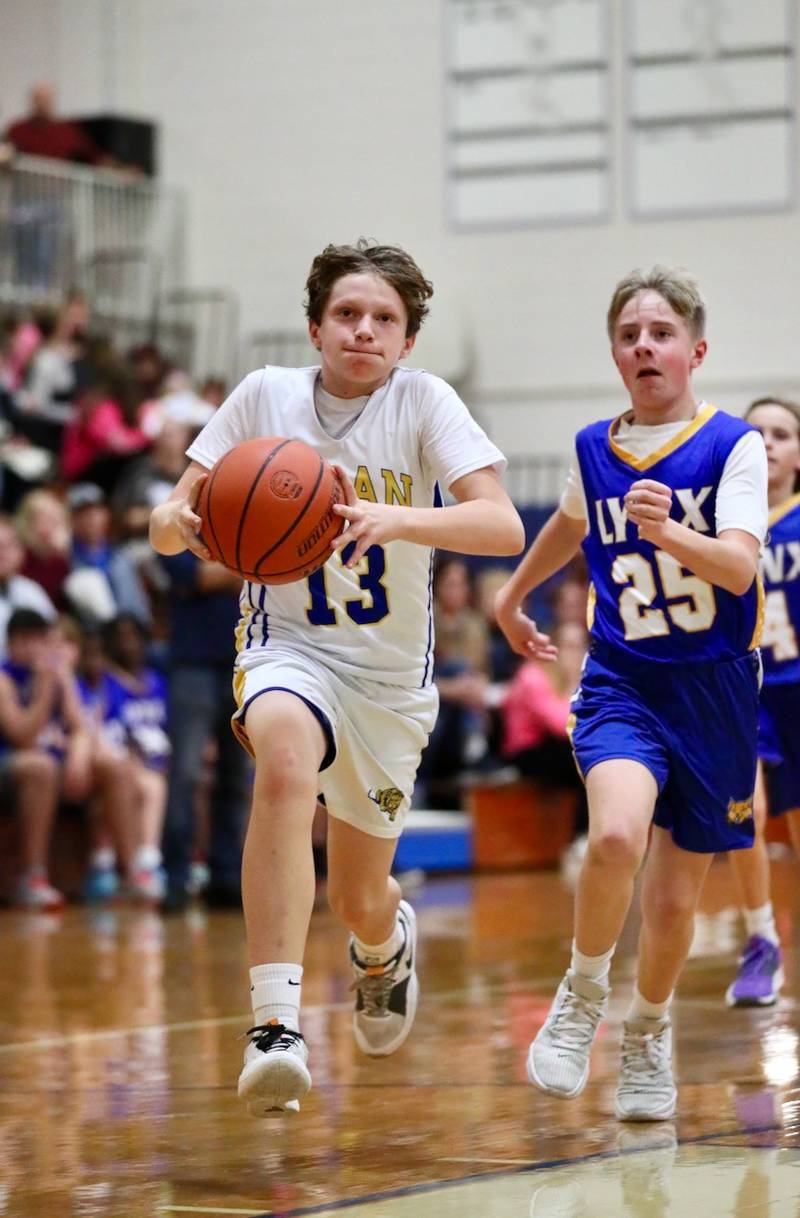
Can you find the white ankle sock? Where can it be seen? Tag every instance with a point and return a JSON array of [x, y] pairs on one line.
[[761, 922], [147, 858], [275, 993], [379, 953], [640, 1008], [596, 968]]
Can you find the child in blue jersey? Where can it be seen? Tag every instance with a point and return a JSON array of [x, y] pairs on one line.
[[669, 503], [760, 974], [144, 717]]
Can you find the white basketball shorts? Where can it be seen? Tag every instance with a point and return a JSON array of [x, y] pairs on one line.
[[375, 733]]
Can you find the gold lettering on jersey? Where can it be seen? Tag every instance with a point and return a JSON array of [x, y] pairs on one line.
[[363, 484], [396, 488], [691, 503], [774, 564], [392, 488], [740, 810]]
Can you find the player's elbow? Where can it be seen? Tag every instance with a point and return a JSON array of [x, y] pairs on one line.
[[740, 580], [513, 536]]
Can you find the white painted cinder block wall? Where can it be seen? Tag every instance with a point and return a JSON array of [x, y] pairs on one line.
[[291, 123]]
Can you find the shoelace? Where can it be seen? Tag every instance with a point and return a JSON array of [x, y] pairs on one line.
[[267, 1035], [758, 957], [576, 1021], [642, 1052], [375, 989]]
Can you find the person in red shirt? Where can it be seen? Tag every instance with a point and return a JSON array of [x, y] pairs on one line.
[[42, 133]]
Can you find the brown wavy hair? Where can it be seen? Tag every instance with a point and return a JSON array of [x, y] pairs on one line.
[[389, 261]]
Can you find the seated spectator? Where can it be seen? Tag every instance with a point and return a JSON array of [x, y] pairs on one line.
[[149, 479], [17, 591], [214, 390], [115, 587], [535, 711], [47, 402], [98, 441], [113, 829], [144, 714], [460, 671], [43, 526], [38, 713]]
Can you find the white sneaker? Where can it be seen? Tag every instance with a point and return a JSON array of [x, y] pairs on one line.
[[274, 1075], [558, 1059], [386, 993], [34, 891], [646, 1090]]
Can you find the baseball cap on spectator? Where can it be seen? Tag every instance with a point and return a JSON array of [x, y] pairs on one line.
[[85, 494]]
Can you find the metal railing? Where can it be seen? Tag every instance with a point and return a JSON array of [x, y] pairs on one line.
[[60, 221]]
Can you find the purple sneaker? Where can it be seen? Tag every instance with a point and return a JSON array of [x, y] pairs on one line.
[[760, 975]]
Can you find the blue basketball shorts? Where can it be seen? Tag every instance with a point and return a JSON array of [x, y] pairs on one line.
[[694, 726], [779, 745]]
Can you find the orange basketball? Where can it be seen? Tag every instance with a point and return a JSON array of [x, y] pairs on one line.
[[267, 510]]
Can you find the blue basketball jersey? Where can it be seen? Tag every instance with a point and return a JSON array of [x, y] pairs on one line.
[[53, 736], [643, 601], [780, 570]]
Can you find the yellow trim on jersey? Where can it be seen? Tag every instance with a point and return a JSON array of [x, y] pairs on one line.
[[643, 463], [783, 509], [759, 626], [591, 604]]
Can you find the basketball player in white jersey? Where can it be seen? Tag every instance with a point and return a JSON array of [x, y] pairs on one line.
[[334, 673]]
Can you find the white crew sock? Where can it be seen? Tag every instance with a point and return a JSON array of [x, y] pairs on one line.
[[761, 922], [147, 858], [379, 953], [595, 968], [275, 993], [640, 1008], [103, 858]]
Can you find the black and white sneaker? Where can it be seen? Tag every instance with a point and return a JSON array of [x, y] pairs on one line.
[[274, 1075], [386, 992]]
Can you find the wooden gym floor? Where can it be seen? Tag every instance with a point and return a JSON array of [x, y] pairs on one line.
[[119, 1057]]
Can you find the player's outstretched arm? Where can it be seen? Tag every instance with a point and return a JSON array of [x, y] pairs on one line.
[[484, 521], [174, 524], [730, 561], [557, 542]]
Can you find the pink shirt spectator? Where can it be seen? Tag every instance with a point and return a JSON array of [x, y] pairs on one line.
[[102, 432], [532, 710]]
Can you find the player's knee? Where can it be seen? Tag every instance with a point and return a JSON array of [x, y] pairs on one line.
[[37, 767], [283, 776], [668, 912], [617, 847]]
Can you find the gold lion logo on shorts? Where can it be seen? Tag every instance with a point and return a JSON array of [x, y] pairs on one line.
[[388, 800], [740, 810]]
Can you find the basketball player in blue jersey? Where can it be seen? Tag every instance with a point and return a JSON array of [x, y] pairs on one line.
[[760, 974], [334, 676], [669, 503]]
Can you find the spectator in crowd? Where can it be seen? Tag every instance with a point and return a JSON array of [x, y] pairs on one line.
[[203, 608], [535, 711], [214, 390], [149, 368], [99, 440], [115, 585], [38, 713], [43, 526], [24, 337], [17, 591], [42, 133], [48, 401], [113, 828], [149, 479], [144, 715], [461, 659]]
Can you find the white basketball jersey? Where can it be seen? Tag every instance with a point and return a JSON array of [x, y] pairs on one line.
[[373, 621]]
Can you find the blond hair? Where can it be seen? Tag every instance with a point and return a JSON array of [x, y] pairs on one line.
[[678, 288]]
